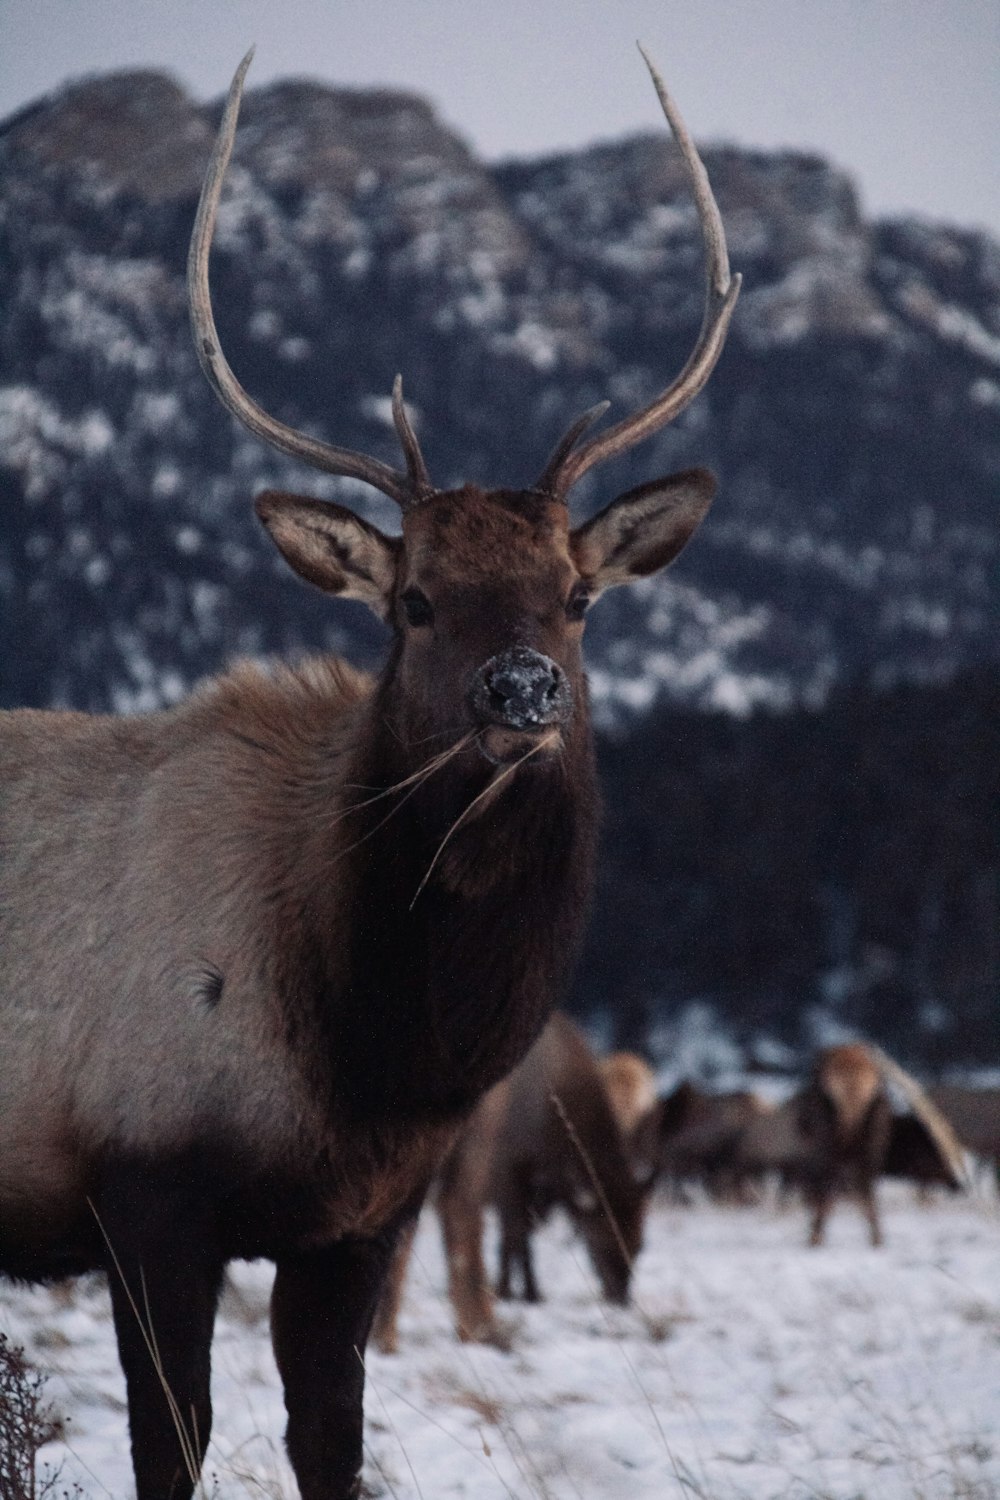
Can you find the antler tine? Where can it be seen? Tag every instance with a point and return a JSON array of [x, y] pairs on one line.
[[420, 482], [320, 455], [721, 291], [567, 443]]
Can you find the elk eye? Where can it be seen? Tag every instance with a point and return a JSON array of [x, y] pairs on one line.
[[578, 603], [417, 607]]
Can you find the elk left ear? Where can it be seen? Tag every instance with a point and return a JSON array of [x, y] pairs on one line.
[[643, 530]]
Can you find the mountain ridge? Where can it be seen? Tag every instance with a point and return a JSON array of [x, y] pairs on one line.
[[854, 418]]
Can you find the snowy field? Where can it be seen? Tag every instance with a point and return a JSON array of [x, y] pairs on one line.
[[749, 1369]]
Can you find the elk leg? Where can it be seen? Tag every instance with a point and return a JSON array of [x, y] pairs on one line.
[[461, 1193], [820, 1199], [515, 1248], [869, 1207], [384, 1332], [164, 1274], [322, 1308]]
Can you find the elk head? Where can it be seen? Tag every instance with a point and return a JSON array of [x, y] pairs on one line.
[[486, 591]]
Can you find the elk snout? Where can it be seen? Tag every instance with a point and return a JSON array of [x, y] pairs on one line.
[[518, 692], [521, 689]]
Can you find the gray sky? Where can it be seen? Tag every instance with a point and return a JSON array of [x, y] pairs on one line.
[[905, 94]]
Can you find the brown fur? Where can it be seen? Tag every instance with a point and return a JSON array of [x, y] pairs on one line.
[[850, 1079]]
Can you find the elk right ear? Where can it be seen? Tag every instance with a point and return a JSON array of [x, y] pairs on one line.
[[642, 531], [332, 548]]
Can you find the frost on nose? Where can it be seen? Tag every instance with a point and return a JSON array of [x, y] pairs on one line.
[[521, 689]]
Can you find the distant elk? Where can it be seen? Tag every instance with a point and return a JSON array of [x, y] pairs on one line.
[[545, 1137], [261, 954], [974, 1115], [696, 1134], [839, 1134]]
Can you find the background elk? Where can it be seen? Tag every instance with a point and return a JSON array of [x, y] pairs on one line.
[[698, 1133], [261, 955], [974, 1115], [558, 1144], [839, 1134], [544, 1137]]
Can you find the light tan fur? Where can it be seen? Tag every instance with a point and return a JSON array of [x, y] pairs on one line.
[[850, 1077], [631, 1088]]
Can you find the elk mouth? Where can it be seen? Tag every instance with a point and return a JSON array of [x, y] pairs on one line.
[[503, 746], [521, 699]]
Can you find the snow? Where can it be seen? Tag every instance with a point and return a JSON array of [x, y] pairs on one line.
[[749, 1369]]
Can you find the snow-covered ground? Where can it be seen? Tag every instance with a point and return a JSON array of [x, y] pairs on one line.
[[749, 1369]]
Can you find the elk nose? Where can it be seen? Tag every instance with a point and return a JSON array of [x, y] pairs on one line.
[[521, 689]]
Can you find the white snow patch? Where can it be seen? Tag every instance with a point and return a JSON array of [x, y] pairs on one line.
[[40, 443], [954, 324]]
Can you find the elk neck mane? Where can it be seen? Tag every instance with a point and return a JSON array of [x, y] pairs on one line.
[[461, 968]]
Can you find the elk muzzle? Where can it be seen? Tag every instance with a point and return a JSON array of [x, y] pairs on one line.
[[516, 696]]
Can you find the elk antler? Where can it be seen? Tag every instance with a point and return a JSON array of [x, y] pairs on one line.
[[569, 463], [406, 489]]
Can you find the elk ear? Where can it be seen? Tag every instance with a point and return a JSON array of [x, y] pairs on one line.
[[642, 531], [332, 548]]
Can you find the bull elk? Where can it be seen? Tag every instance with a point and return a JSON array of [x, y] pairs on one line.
[[261, 954]]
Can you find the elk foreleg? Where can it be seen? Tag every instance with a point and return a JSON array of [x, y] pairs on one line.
[[819, 1196], [322, 1308], [164, 1273]]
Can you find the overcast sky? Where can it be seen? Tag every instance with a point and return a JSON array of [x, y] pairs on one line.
[[905, 94]]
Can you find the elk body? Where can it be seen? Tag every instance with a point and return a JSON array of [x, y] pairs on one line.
[[845, 1114], [261, 954]]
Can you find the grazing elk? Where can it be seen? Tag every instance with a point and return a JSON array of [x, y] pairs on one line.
[[558, 1145], [544, 1137], [261, 954]]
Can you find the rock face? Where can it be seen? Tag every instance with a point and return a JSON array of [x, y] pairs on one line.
[[854, 418]]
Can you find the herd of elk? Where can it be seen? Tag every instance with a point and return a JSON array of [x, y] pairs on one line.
[[262, 954], [837, 1134], [592, 1137]]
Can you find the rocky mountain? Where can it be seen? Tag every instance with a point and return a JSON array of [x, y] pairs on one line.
[[854, 419]]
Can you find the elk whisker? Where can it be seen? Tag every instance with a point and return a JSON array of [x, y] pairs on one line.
[[418, 778], [419, 775], [490, 786]]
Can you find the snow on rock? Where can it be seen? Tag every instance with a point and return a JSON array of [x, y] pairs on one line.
[[749, 1369]]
